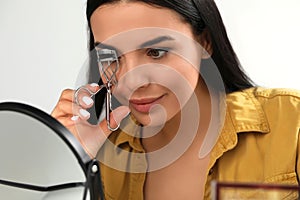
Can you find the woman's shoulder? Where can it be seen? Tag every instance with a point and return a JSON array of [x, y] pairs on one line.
[[276, 101], [280, 97], [264, 103], [262, 93], [274, 92]]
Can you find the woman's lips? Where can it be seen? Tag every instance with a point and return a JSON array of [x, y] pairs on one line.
[[144, 105]]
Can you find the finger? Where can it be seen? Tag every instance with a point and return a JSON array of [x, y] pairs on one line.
[[67, 94], [116, 116], [93, 87], [65, 108], [68, 120], [83, 114], [84, 93], [83, 98], [73, 114]]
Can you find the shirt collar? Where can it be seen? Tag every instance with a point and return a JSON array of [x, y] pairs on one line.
[[244, 114], [129, 133]]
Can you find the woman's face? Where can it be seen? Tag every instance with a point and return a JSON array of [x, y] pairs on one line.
[[159, 58]]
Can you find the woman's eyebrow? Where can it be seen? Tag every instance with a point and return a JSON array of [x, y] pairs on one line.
[[105, 46], [156, 41], [143, 45]]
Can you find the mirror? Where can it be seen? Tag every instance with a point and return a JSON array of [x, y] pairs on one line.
[[41, 160]]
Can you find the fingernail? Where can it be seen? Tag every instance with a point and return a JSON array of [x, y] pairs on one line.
[[75, 118], [84, 113], [87, 100], [94, 84]]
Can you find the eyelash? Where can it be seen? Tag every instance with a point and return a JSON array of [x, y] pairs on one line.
[[161, 52]]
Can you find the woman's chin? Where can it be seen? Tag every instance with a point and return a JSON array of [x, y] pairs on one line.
[[156, 117]]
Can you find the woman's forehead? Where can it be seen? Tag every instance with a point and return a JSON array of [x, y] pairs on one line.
[[111, 19]]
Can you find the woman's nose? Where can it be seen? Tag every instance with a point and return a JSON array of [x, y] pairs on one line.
[[132, 72]]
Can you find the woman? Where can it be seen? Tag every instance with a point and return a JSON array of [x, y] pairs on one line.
[[168, 83]]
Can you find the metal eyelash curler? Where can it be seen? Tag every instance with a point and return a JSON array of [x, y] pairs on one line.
[[108, 65]]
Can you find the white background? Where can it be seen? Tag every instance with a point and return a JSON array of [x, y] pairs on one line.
[[43, 45]]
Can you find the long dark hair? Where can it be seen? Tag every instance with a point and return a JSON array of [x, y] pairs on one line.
[[202, 15]]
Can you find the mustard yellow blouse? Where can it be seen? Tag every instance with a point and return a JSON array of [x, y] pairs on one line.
[[259, 142]]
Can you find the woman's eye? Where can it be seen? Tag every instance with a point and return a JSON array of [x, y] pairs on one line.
[[156, 53]]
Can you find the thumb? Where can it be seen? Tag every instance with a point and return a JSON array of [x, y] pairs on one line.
[[119, 114], [116, 116]]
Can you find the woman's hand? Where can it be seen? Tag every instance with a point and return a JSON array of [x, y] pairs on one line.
[[75, 117]]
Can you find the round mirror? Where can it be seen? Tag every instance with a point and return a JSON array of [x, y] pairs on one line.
[[41, 159]]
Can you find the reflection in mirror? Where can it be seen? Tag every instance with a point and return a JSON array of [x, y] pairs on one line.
[[41, 159]]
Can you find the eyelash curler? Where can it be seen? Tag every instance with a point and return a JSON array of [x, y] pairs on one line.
[[108, 64]]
